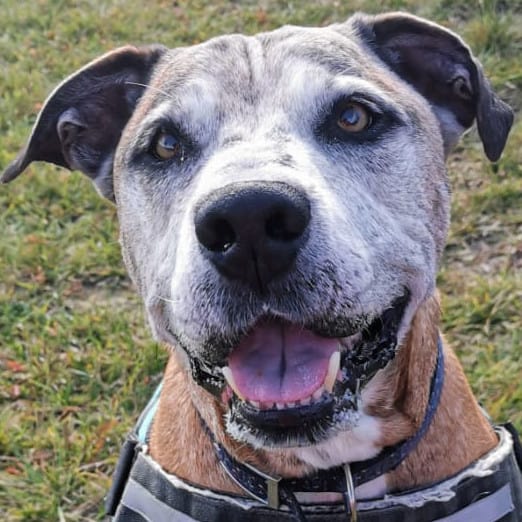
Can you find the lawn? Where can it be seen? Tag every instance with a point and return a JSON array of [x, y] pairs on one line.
[[77, 361]]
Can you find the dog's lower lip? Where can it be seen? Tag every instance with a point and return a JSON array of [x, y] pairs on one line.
[[277, 419]]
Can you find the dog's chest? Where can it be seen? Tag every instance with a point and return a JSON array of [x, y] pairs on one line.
[[357, 445]]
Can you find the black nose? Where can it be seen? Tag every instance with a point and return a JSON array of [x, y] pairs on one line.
[[252, 231]]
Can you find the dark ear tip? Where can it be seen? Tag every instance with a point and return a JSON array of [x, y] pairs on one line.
[[493, 155], [494, 145]]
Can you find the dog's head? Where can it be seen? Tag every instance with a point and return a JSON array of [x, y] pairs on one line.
[[282, 198]]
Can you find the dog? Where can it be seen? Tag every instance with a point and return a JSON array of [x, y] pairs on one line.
[[283, 205]]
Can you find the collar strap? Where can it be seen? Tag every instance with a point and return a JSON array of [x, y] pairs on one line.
[[274, 491]]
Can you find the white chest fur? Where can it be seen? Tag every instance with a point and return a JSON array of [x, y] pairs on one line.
[[361, 443]]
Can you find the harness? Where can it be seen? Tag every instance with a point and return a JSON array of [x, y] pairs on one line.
[[488, 490]]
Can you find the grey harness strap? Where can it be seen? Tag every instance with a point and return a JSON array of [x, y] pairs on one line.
[[138, 499], [491, 508]]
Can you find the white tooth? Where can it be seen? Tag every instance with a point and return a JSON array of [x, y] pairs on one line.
[[318, 393], [306, 402], [280, 405], [229, 377], [256, 404], [290, 404], [333, 368]]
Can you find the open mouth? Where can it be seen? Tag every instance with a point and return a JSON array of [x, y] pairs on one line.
[[289, 386]]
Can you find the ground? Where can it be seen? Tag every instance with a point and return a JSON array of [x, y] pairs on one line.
[[77, 362]]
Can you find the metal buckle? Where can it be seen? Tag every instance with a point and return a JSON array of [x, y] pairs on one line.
[[272, 486], [350, 493], [272, 492]]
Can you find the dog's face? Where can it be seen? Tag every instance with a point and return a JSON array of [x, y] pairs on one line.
[[302, 199], [283, 201]]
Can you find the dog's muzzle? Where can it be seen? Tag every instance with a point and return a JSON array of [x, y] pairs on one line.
[[290, 386], [283, 384]]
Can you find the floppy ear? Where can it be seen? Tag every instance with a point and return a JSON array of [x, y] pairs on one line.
[[440, 66], [81, 122]]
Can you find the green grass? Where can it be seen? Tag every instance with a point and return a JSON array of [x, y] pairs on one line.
[[77, 362]]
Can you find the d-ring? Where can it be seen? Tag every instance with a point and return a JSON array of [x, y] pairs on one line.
[[350, 493]]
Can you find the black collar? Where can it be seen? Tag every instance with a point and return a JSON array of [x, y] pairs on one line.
[[274, 491]]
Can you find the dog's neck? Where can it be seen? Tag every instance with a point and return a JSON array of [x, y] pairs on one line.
[[396, 401]]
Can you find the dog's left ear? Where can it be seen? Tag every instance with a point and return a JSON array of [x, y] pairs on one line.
[[80, 124], [442, 68]]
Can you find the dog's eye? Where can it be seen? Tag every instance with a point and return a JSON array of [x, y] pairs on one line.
[[166, 146], [354, 117]]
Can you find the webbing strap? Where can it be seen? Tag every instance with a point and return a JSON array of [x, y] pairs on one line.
[[139, 499], [488, 509]]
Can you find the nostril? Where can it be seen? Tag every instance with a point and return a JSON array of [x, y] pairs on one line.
[[283, 226], [224, 234], [216, 235]]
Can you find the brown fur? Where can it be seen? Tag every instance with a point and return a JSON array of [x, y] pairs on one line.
[[458, 435]]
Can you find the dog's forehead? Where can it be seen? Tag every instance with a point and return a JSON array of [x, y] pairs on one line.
[[247, 68], [271, 52]]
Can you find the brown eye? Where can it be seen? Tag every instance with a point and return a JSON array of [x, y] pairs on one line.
[[167, 146], [354, 117]]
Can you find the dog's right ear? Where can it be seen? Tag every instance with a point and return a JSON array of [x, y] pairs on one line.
[[81, 122]]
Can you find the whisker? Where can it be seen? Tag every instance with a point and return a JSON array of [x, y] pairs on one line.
[[150, 87], [167, 300]]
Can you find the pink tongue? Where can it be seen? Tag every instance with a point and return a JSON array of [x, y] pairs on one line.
[[279, 362]]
